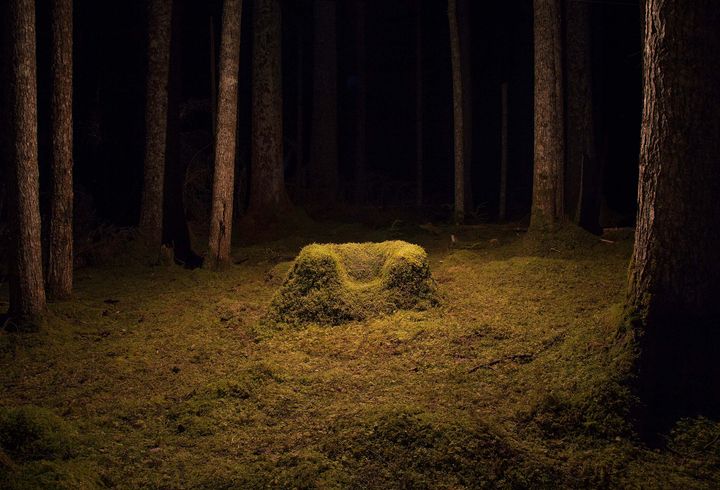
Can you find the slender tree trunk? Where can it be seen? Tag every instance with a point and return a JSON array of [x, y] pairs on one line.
[[361, 112], [582, 177], [151, 211], [323, 148], [213, 78], [60, 260], [675, 272], [225, 139], [268, 197], [547, 209], [502, 214], [301, 169], [419, 105], [465, 30], [27, 292], [458, 111], [175, 229]]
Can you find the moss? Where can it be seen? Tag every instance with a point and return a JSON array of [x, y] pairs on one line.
[[333, 284], [31, 433], [406, 448]]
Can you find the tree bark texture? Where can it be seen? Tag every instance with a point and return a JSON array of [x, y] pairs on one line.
[[324, 145], [466, 63], [549, 152], [158, 72], [360, 167], [458, 111], [60, 253], [675, 272], [268, 197], [583, 179], [225, 138], [27, 289]]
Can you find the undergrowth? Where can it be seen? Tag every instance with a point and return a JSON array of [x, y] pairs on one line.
[[162, 377]]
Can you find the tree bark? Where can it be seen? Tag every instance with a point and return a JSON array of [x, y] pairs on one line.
[[583, 180], [458, 111], [675, 272], [547, 208], [268, 197], [465, 33], [361, 105], [60, 253], [225, 139], [323, 148], [502, 207], [159, 33], [27, 292]]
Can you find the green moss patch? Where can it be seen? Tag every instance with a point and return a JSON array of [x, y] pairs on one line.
[[333, 284]]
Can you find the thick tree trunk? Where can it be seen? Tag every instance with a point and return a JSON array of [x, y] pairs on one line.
[[224, 176], [458, 111], [27, 291], [547, 208], [582, 176], [151, 211], [323, 147], [419, 105], [675, 272], [360, 169], [60, 256], [268, 197]]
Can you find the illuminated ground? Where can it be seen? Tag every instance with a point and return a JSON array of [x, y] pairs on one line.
[[170, 380]]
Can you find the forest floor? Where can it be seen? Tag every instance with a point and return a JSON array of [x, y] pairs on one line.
[[162, 377]]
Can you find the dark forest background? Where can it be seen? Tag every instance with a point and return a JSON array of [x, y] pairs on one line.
[[109, 100]]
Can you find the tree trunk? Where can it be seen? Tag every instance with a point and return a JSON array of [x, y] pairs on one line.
[[547, 209], [675, 272], [175, 229], [419, 105], [465, 31], [323, 148], [151, 211], [502, 207], [458, 111], [268, 197], [301, 168], [27, 292], [361, 105], [224, 175], [582, 177], [60, 256]]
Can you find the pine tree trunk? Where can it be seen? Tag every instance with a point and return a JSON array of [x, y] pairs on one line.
[[27, 292], [502, 205], [419, 106], [225, 139], [159, 33], [547, 208], [465, 30], [675, 272], [361, 109], [301, 168], [268, 197], [60, 256], [323, 148], [582, 177], [458, 111]]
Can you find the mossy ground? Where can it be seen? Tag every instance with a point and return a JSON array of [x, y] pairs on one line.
[[169, 378]]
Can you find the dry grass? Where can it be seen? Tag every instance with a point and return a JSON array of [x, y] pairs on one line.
[[171, 380]]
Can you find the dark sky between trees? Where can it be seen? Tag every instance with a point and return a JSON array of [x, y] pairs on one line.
[[109, 91]]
